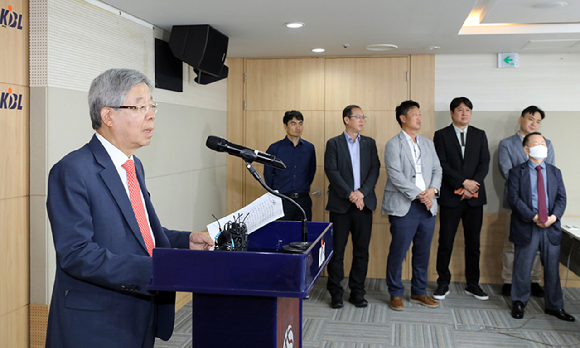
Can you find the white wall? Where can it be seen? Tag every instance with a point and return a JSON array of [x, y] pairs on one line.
[[71, 43], [550, 81]]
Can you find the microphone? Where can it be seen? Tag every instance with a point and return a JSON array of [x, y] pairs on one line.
[[220, 144]]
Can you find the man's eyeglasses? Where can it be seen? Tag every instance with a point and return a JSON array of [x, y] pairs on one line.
[[142, 109], [358, 117]]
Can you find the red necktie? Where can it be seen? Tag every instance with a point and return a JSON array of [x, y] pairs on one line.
[[137, 205], [542, 209]]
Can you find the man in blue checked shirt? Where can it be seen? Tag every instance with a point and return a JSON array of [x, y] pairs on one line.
[[300, 159]]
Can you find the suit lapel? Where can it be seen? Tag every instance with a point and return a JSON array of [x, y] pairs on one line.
[[552, 187], [406, 150], [111, 179], [343, 148], [452, 137], [526, 185], [523, 157], [363, 160]]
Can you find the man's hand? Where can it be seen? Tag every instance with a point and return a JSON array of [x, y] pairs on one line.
[[429, 205], [548, 223], [465, 194], [357, 198], [427, 195], [200, 241], [536, 218], [471, 185]]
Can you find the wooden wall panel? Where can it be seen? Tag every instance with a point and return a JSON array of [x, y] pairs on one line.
[[14, 328], [14, 254], [14, 141], [423, 90], [285, 84], [14, 39], [371, 83]]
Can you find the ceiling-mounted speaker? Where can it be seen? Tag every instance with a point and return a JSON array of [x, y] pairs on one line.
[[201, 46]]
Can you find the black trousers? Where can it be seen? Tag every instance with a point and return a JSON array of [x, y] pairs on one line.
[[359, 223], [291, 213], [472, 218]]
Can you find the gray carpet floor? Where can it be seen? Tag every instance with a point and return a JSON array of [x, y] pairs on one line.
[[460, 321]]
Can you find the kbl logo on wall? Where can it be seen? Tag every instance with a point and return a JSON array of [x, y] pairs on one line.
[[9, 18], [11, 101]]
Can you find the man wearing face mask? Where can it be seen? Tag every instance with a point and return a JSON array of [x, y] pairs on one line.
[[537, 197], [510, 154]]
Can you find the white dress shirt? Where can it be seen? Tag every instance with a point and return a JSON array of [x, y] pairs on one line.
[[416, 153]]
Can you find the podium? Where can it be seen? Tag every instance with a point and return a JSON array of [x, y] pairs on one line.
[[247, 299]]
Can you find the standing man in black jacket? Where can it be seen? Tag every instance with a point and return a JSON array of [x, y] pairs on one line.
[[352, 166], [464, 157]]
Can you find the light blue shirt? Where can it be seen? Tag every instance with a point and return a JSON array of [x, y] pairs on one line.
[[354, 150], [458, 132], [534, 184]]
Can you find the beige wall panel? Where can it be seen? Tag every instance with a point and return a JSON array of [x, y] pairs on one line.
[[14, 39], [371, 83], [379, 218], [14, 141], [38, 324], [14, 254], [235, 133], [423, 90], [14, 328], [285, 84]]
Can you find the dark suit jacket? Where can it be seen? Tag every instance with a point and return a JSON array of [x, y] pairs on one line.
[[456, 169], [520, 200], [338, 169], [100, 296]]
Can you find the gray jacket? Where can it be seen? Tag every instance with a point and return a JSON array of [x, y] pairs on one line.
[[400, 189], [511, 153]]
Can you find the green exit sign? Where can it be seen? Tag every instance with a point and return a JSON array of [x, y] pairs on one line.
[[508, 60]]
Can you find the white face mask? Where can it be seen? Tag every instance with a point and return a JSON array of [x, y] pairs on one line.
[[538, 152]]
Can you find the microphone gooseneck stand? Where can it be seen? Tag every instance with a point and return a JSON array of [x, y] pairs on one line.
[[294, 247]]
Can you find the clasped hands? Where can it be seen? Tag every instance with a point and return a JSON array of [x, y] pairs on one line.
[[357, 198], [551, 219], [426, 197], [470, 187]]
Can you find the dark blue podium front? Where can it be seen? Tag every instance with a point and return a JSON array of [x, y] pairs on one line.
[[252, 298]]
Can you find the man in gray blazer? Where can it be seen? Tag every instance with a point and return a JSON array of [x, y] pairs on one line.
[[352, 166], [511, 153], [410, 200]]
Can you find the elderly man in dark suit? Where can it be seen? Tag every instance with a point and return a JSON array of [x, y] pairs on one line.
[[105, 227], [537, 197], [464, 157], [510, 154], [352, 166]]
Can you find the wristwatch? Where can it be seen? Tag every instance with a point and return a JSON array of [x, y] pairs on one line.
[[436, 190]]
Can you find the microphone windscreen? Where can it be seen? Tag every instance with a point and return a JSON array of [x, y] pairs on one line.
[[215, 143]]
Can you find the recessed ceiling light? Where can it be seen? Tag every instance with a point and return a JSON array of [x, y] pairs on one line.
[[294, 25], [432, 48], [381, 47], [318, 50], [550, 4]]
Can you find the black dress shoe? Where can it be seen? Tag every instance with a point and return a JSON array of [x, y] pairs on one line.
[[358, 301], [336, 302], [506, 289], [537, 290], [517, 310], [560, 314]]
